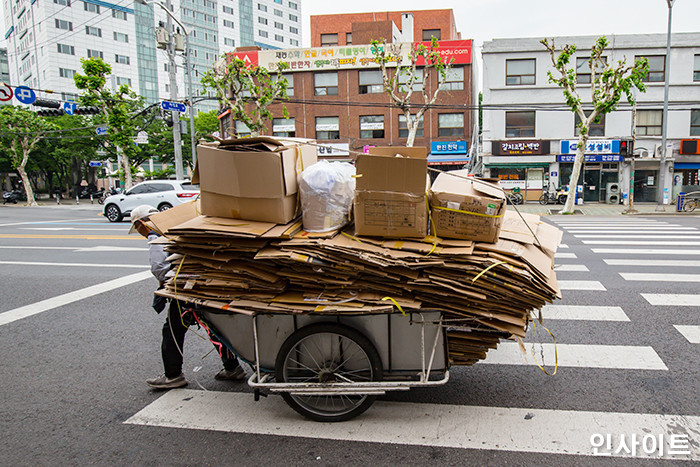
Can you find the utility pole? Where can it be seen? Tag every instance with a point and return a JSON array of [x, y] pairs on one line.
[[172, 74], [664, 121]]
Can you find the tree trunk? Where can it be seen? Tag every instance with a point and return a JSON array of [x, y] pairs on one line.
[[126, 166], [27, 186], [573, 181]]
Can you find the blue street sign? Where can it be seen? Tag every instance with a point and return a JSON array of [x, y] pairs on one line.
[[69, 107], [173, 106], [25, 95], [101, 130], [95, 164]]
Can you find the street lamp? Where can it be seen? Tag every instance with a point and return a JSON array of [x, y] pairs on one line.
[[664, 121], [178, 160]]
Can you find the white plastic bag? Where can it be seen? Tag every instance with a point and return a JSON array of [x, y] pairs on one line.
[[326, 190]]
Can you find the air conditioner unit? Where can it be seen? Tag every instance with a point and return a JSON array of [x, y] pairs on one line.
[[644, 153], [612, 188], [612, 198]]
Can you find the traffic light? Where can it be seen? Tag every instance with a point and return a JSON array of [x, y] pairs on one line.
[[50, 113], [626, 148], [89, 110]]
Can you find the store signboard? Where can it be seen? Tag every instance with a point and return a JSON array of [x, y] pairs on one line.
[[448, 147], [523, 147], [333, 149], [591, 158], [594, 146]]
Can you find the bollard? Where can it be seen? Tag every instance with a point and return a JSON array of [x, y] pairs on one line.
[[91, 199], [77, 199], [58, 199]]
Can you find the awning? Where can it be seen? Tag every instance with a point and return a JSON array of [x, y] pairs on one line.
[[447, 159], [518, 166], [686, 165]]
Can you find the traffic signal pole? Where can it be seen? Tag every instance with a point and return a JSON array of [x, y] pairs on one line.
[[177, 138]]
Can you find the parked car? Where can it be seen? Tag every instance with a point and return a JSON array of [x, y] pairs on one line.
[[161, 194]]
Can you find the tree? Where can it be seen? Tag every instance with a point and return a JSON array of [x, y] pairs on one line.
[[608, 84], [118, 107], [400, 85], [205, 124], [23, 129], [246, 90]]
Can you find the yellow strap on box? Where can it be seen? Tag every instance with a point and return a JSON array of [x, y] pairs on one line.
[[467, 212]]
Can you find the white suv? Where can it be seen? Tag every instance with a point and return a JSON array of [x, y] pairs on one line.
[[161, 194]]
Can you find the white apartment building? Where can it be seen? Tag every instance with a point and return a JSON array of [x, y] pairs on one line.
[[529, 134], [47, 38]]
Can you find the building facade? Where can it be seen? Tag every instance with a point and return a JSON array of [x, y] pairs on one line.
[[530, 135], [4, 71]]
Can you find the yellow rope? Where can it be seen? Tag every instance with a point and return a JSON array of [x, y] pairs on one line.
[[351, 237], [179, 308], [468, 212], [432, 226], [395, 303], [486, 270], [556, 357]]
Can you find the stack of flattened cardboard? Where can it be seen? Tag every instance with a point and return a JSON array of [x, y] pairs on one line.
[[485, 291]]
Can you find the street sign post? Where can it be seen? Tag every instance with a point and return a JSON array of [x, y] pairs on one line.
[[173, 106], [69, 107], [95, 164], [25, 95], [101, 130]]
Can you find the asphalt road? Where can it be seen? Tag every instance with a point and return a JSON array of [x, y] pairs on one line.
[[73, 374]]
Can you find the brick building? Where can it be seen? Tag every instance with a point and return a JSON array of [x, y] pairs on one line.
[[336, 94]]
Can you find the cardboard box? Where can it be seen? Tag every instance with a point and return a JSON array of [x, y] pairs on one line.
[[390, 192], [251, 178], [467, 208]]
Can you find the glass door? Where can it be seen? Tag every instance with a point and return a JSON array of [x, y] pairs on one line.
[[591, 185]]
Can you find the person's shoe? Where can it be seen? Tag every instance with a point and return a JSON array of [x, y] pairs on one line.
[[163, 382], [234, 375]]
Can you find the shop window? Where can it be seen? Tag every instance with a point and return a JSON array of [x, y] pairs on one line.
[[649, 122], [428, 34], [583, 69], [454, 80], [371, 126], [450, 124], [520, 71], [326, 84], [403, 127], [283, 127], [696, 68], [657, 68], [371, 82], [519, 124], [328, 40], [597, 126], [327, 128], [695, 123]]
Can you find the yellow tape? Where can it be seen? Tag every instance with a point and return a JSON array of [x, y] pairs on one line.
[[351, 237], [467, 212], [395, 304], [556, 357], [432, 226], [486, 270]]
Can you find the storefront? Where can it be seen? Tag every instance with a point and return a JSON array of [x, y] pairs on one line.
[[686, 170], [447, 155], [599, 176], [523, 165]]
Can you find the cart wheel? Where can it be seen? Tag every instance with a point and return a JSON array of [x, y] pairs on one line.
[[328, 353]]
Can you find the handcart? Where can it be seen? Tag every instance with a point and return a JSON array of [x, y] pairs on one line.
[[332, 367]]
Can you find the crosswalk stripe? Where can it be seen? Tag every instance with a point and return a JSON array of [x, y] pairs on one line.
[[563, 246], [613, 225], [639, 242], [580, 285], [662, 277], [571, 268], [676, 263], [692, 333], [584, 313], [674, 230], [621, 357], [405, 423], [564, 255], [82, 265], [672, 299], [645, 236], [645, 251]]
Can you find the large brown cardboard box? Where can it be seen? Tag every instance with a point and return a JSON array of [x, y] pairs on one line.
[[390, 192], [251, 178], [466, 207]]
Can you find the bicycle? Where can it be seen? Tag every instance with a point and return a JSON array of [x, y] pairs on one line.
[[515, 197], [554, 198], [690, 204]]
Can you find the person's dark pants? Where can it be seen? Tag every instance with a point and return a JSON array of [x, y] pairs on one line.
[[174, 338]]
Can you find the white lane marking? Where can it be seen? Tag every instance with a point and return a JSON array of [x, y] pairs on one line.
[[680, 263], [672, 299], [46, 228], [618, 230], [584, 313], [110, 248], [564, 255], [639, 242], [75, 248], [38, 222], [581, 285], [614, 225], [692, 333], [82, 265], [622, 357], [663, 277], [440, 425], [70, 297], [563, 246], [645, 251], [644, 236], [81, 229], [570, 268]]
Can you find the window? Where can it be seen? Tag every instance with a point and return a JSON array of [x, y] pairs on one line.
[[403, 126], [520, 124], [294, 42], [371, 82], [371, 126], [327, 128], [326, 84], [278, 1], [69, 96], [417, 80], [597, 129], [283, 127], [62, 2], [93, 31], [450, 124], [94, 53], [120, 37], [121, 81], [279, 38], [293, 5], [119, 14], [348, 38], [696, 68], [279, 13], [91, 7], [428, 34], [242, 129], [229, 42], [583, 69], [228, 24], [262, 7], [228, 9], [262, 33], [454, 80], [279, 25], [520, 71], [657, 68], [123, 59], [294, 18], [695, 123], [649, 122], [329, 40], [66, 73], [262, 20], [159, 187], [66, 49], [62, 24], [293, 30]]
